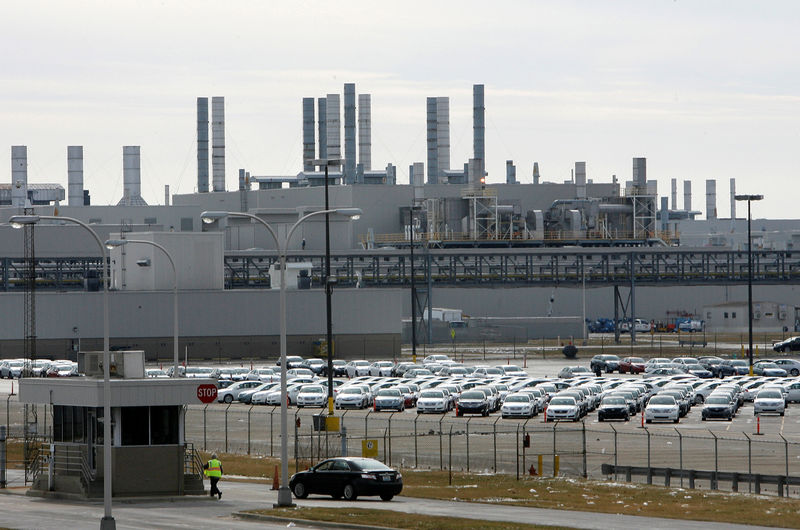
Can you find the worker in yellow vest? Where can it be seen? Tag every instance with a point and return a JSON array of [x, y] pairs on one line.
[[213, 470]]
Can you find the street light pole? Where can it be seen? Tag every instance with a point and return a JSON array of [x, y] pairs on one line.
[[749, 198], [113, 243], [107, 522], [284, 494]]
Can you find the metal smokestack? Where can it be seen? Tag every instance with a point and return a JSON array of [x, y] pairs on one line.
[[711, 199], [580, 180], [349, 133], [308, 134], [19, 175], [511, 172], [674, 192], [433, 162], [640, 175], [166, 194], [536, 172], [131, 177], [202, 145], [333, 128], [687, 195], [443, 136], [218, 143], [322, 127], [733, 200], [478, 124], [365, 131], [75, 175]]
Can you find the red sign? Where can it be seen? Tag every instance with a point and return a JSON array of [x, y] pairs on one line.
[[207, 393]]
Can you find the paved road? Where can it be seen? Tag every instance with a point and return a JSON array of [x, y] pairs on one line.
[[20, 511]]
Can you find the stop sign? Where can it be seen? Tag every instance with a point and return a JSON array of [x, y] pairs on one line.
[[206, 393]]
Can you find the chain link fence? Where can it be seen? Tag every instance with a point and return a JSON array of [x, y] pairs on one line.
[[482, 445]]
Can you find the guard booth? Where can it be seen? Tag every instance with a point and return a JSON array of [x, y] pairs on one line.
[[149, 452]]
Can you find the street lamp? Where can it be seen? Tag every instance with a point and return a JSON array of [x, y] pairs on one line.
[[18, 221], [328, 281], [411, 212], [284, 495], [749, 199], [114, 243]]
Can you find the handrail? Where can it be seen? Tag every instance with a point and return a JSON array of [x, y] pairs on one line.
[[192, 465]]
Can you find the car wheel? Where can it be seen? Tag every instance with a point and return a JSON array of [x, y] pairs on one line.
[[386, 497], [782, 413], [349, 492], [795, 372], [675, 420], [600, 419], [300, 490], [703, 418], [228, 398], [648, 421]]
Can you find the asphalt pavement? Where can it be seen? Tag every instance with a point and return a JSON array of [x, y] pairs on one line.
[[20, 511]]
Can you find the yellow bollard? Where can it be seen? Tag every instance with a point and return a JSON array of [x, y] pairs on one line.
[[556, 460], [541, 460]]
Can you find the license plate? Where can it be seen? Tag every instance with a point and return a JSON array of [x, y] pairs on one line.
[[386, 478]]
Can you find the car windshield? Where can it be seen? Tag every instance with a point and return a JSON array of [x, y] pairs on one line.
[[352, 390], [770, 394], [614, 401], [518, 398], [662, 400], [717, 401], [476, 394], [389, 392], [316, 389], [562, 401], [767, 365], [432, 394]]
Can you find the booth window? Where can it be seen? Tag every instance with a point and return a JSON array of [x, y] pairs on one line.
[[150, 425], [163, 425], [69, 424], [135, 426]]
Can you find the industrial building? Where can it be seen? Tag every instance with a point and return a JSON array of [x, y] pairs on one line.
[[447, 209]]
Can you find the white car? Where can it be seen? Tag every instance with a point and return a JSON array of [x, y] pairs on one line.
[[769, 400], [434, 359], [351, 397], [264, 374], [389, 398], [381, 368], [294, 373], [11, 368], [662, 407], [563, 408], [312, 396], [357, 368], [433, 401], [231, 393], [512, 369], [519, 405]]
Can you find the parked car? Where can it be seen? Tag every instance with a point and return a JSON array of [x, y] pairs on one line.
[[246, 396], [292, 361], [604, 363], [264, 374], [768, 369], [792, 366], [571, 371], [790, 344], [740, 366], [155, 372], [691, 326], [11, 368], [769, 400], [339, 368], [381, 368], [348, 478], [231, 393], [631, 365], [613, 407], [473, 402], [433, 401], [389, 398], [698, 370], [640, 326], [315, 365], [519, 405], [563, 407], [312, 396], [352, 396], [718, 406], [662, 407], [357, 368]]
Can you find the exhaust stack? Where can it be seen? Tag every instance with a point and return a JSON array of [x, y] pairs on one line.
[[75, 175], [19, 175], [202, 145], [131, 177], [218, 142]]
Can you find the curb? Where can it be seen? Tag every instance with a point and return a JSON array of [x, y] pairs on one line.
[[326, 524]]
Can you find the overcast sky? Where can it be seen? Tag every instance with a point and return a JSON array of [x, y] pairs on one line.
[[703, 89]]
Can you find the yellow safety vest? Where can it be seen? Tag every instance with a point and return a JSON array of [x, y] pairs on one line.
[[214, 468]]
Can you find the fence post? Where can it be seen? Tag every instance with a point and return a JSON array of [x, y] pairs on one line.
[[204, 427], [416, 454], [786, 453], [248, 428], [468, 420], [583, 429], [271, 442], [384, 445], [226, 428], [517, 441], [441, 449], [494, 442], [390, 438], [524, 453], [3, 481], [616, 451], [296, 460], [649, 469], [716, 461], [450, 458], [680, 453], [749, 463]]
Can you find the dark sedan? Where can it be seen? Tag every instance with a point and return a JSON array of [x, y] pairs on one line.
[[472, 402], [613, 407], [790, 344], [348, 478]]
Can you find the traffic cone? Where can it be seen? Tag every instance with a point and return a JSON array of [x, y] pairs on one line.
[[275, 481]]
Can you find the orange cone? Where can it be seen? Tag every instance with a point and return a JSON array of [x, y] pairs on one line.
[[275, 482]]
